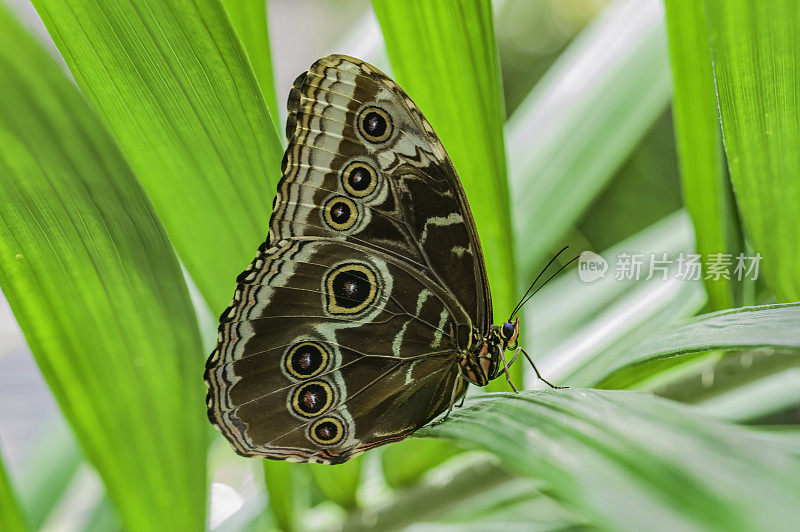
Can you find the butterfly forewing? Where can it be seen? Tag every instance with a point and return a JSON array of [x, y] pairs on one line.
[[345, 329], [416, 210]]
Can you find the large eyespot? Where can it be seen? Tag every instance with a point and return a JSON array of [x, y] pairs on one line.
[[326, 431], [349, 289], [305, 360], [340, 213], [312, 398], [374, 124], [359, 179]]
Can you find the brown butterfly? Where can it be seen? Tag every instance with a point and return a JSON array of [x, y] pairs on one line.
[[367, 311]]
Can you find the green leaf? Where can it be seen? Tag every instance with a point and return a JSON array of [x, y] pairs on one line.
[[451, 44], [628, 461], [339, 484], [704, 179], [428, 500], [400, 470], [756, 55], [249, 19], [95, 287], [47, 473], [11, 518], [287, 485], [775, 326], [173, 84], [569, 136]]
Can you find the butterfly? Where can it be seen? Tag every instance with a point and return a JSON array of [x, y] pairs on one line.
[[367, 311]]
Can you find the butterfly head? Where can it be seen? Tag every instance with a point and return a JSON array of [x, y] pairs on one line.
[[509, 332]]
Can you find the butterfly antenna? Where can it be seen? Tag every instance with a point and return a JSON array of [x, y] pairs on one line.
[[519, 305], [544, 284]]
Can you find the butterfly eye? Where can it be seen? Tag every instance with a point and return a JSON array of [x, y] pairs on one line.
[[508, 330], [359, 179], [374, 124]]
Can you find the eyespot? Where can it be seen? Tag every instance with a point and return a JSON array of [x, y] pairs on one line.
[[374, 124], [349, 289], [340, 213], [312, 398], [305, 360], [359, 179], [326, 431]]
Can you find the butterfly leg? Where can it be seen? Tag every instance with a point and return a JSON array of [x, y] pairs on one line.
[[505, 369], [511, 362], [539, 375]]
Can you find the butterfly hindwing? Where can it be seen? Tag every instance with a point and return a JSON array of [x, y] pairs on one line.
[[321, 329]]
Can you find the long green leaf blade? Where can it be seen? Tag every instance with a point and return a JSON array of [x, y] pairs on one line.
[[776, 326], [706, 191], [628, 461], [432, 45], [98, 293], [249, 19], [11, 518], [174, 85], [757, 71], [47, 473]]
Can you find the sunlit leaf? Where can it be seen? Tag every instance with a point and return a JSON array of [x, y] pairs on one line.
[[95, 287], [174, 85], [704, 178], [249, 19], [756, 56]]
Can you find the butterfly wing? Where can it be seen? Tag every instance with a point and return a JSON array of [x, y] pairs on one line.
[[344, 331], [397, 192], [328, 350]]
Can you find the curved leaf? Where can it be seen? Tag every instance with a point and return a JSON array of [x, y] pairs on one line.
[[706, 189], [634, 462], [98, 293], [763, 326], [174, 85]]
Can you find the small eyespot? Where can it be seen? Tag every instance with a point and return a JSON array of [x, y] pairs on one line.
[[312, 398], [374, 124], [340, 213], [359, 179], [305, 360], [326, 431]]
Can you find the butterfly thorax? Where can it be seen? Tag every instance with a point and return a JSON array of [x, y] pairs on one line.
[[482, 362]]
